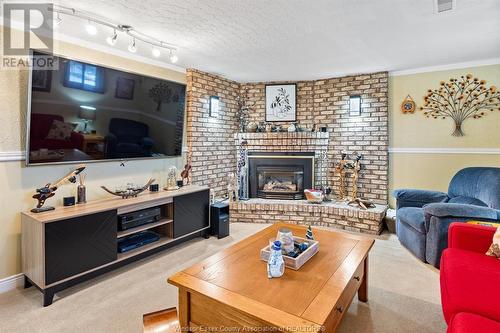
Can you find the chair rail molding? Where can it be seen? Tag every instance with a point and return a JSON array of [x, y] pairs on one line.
[[8, 156], [476, 151]]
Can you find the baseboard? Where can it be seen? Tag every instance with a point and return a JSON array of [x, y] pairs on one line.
[[11, 283]]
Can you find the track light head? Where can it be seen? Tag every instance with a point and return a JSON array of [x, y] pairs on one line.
[[111, 40], [173, 57], [156, 52], [56, 21], [132, 48], [91, 29]]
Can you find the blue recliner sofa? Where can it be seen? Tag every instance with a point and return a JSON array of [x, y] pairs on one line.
[[423, 217]]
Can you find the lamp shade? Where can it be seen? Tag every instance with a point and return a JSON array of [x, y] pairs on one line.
[[87, 112]]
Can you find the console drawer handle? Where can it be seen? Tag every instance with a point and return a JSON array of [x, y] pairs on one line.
[[356, 278], [340, 309]]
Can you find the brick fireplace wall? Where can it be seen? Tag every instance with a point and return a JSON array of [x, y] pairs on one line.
[[211, 139], [320, 102], [326, 103]]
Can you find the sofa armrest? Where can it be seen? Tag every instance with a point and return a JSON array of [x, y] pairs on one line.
[[469, 284], [470, 237], [147, 142], [418, 198], [461, 211]]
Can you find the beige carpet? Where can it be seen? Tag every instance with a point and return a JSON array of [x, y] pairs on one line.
[[403, 294]]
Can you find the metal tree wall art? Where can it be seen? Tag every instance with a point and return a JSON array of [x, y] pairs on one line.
[[160, 93], [461, 99]]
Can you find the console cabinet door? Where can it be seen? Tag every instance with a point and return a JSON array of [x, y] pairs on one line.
[[78, 244], [191, 212]]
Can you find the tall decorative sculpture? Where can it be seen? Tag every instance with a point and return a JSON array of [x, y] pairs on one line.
[[243, 110], [232, 188], [356, 167], [242, 170], [461, 99], [340, 169]]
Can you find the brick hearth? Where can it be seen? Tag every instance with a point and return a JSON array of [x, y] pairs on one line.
[[329, 214]]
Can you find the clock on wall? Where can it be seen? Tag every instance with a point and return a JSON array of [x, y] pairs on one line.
[[408, 105]]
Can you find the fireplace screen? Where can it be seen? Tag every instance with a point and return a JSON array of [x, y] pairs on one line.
[[280, 182]]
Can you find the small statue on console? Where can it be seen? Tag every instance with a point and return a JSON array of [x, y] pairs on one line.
[[186, 173], [49, 189], [172, 179]]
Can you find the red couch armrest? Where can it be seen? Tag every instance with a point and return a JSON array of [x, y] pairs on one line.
[[470, 237]]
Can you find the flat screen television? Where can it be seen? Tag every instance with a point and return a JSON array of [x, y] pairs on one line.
[[83, 112]]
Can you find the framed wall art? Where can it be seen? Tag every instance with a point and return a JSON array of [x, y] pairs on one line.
[[281, 102], [124, 88]]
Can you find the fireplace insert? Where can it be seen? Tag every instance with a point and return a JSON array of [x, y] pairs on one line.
[[282, 175]]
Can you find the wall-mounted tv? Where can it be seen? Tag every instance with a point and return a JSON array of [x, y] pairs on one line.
[[84, 112]]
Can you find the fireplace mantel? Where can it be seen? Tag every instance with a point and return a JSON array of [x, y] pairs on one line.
[[302, 137]]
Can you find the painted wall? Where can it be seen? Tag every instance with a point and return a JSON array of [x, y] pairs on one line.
[[434, 171], [17, 182]]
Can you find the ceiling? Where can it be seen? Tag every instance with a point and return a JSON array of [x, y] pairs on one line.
[[263, 40]]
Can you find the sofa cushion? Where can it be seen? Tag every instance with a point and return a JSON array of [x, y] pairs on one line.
[[467, 322], [466, 283], [467, 200], [412, 216]]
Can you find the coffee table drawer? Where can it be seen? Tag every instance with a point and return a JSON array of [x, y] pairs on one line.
[[345, 299]]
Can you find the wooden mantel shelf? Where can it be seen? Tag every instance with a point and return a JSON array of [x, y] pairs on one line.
[[283, 135], [122, 205]]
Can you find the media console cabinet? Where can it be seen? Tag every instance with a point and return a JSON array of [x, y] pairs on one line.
[[68, 245]]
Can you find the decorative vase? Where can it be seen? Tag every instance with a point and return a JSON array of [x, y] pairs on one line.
[[285, 236], [81, 194]]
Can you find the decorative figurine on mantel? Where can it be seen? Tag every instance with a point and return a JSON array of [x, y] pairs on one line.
[[49, 189], [243, 110], [356, 167], [172, 179], [340, 169], [232, 188]]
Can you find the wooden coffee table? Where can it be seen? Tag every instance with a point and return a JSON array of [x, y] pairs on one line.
[[230, 289]]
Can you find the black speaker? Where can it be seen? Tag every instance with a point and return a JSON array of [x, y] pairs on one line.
[[219, 219]]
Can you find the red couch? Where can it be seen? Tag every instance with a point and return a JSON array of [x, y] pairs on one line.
[[470, 280], [40, 126]]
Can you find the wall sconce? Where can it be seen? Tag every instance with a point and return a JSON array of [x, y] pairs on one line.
[[214, 106], [355, 105]]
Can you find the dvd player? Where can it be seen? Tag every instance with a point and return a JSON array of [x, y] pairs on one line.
[[137, 240], [141, 217]]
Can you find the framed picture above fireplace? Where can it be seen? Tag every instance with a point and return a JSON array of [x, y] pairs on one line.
[[281, 102]]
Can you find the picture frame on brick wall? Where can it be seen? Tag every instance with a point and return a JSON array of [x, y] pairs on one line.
[[281, 102]]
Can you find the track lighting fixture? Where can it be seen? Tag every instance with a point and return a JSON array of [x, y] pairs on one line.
[[111, 40], [92, 21], [132, 48], [91, 29]]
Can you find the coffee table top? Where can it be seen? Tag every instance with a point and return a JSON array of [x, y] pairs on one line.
[[238, 272]]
